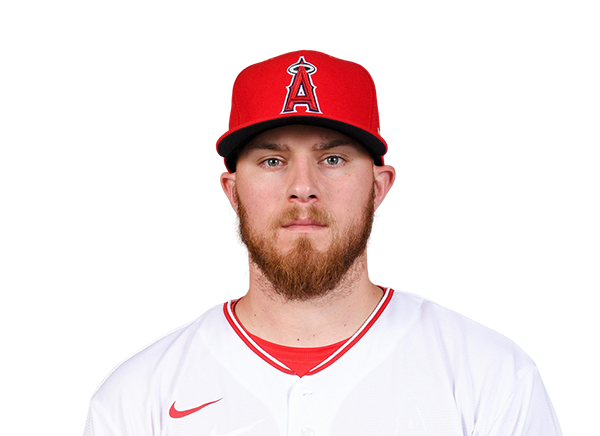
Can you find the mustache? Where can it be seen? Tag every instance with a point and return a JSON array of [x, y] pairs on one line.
[[296, 212]]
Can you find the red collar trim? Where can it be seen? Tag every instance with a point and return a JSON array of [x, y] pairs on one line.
[[234, 322], [245, 336]]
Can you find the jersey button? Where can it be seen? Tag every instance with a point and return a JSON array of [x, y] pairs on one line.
[[308, 432]]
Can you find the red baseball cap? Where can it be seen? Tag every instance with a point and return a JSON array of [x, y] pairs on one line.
[[303, 87]]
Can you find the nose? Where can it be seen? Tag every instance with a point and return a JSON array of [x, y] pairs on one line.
[[302, 183]]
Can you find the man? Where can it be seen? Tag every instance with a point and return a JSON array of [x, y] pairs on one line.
[[314, 347]]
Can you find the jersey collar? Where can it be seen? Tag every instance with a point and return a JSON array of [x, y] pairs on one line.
[[245, 336]]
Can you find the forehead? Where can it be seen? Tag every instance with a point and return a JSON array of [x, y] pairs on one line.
[[300, 136]]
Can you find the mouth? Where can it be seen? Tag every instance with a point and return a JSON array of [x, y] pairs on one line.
[[303, 225]]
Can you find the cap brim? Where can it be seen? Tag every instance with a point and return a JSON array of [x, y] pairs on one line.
[[229, 144]]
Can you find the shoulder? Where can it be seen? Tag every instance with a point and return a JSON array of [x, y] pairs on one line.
[[480, 363], [461, 342], [476, 339], [151, 366], [488, 378]]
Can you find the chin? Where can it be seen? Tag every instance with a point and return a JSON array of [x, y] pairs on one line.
[[293, 241]]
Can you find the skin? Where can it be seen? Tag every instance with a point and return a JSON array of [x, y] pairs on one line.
[[304, 166]]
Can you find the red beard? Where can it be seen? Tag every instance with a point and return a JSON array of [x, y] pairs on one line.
[[304, 273]]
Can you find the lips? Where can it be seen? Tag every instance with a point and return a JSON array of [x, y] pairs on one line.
[[304, 222]]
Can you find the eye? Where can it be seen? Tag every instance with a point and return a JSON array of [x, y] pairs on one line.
[[333, 160], [272, 162]]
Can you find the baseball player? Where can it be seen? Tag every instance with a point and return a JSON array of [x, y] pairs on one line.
[[314, 348]]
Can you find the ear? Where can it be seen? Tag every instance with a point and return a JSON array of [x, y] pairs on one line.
[[384, 177], [228, 185]]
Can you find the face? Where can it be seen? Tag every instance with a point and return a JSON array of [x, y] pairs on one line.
[[305, 198]]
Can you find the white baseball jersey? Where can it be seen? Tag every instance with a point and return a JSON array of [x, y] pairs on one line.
[[414, 368]]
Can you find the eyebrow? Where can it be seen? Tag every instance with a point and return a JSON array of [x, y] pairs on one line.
[[321, 146]]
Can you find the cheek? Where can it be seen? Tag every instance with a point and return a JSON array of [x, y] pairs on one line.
[[258, 203], [347, 205]]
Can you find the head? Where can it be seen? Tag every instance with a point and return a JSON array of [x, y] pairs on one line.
[[305, 197], [305, 169]]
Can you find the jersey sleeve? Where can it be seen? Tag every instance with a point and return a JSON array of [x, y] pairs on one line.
[[528, 411], [95, 425]]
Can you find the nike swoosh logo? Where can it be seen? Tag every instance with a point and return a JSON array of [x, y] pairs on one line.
[[174, 413]]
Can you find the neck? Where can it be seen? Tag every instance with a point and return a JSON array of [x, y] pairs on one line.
[[313, 323]]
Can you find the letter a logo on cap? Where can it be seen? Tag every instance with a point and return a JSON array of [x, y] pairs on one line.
[[301, 91]]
